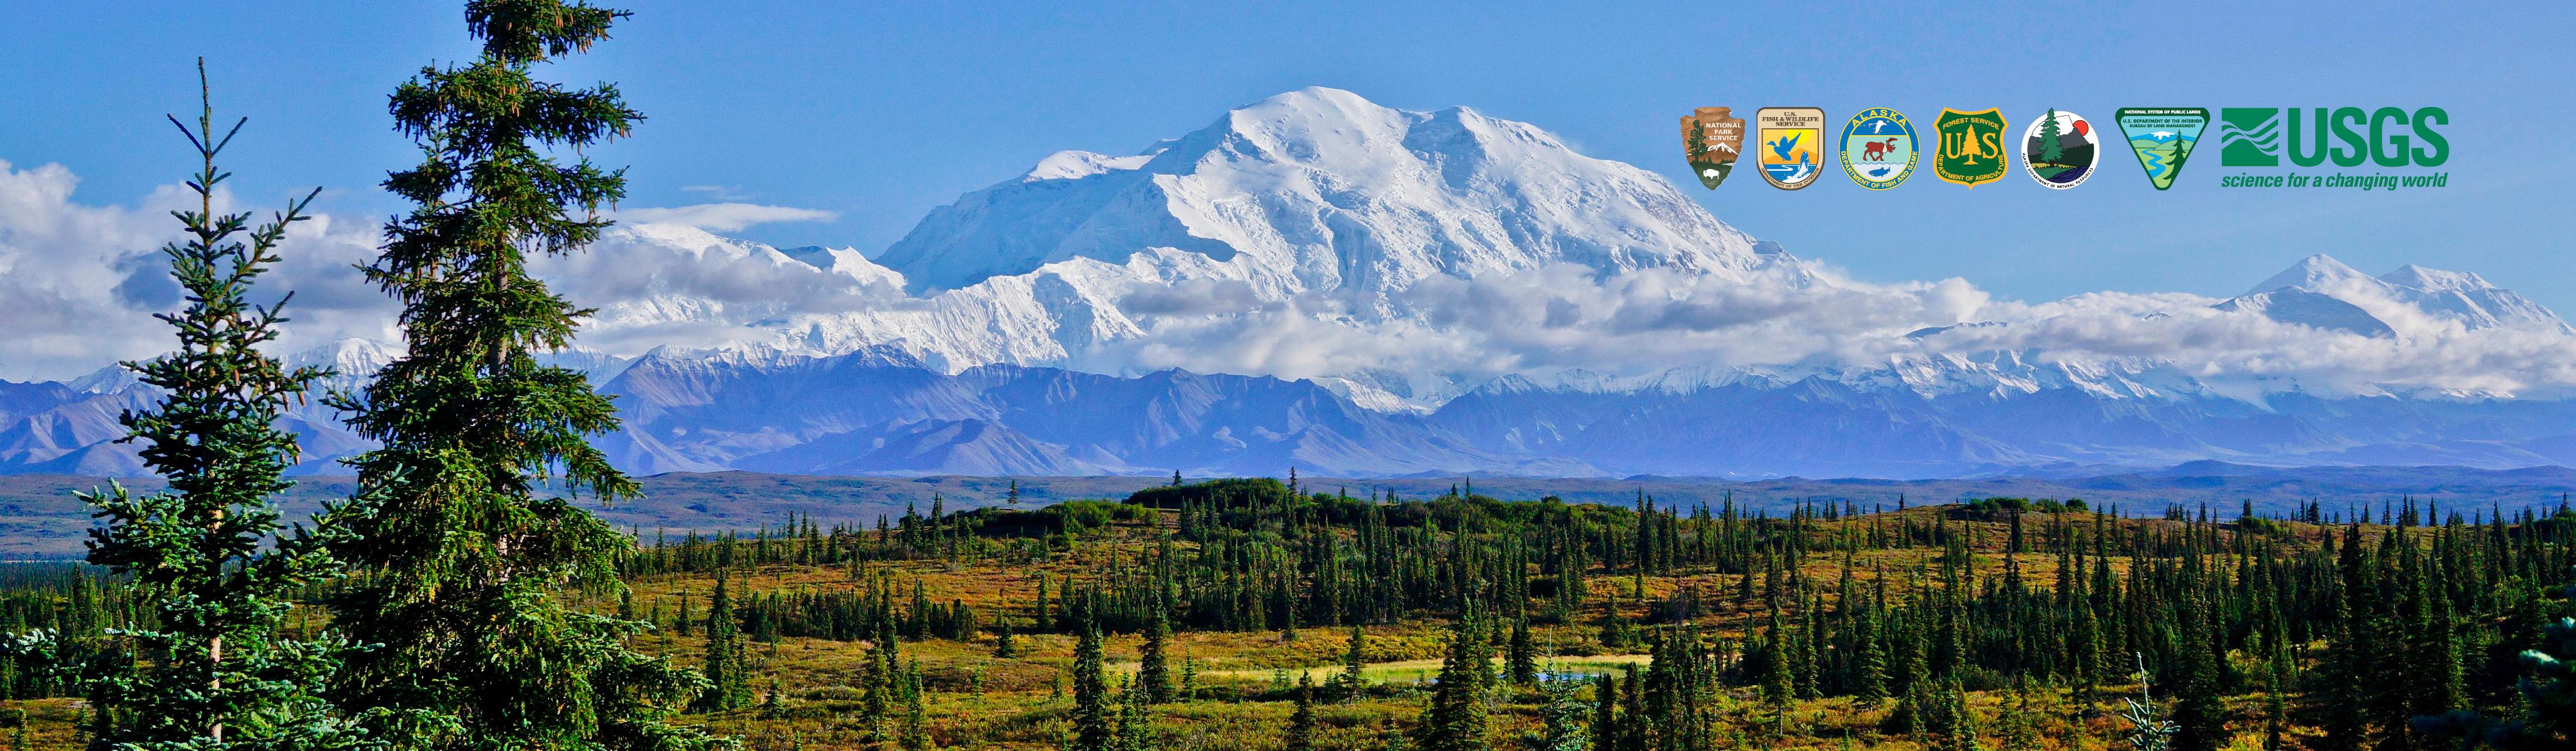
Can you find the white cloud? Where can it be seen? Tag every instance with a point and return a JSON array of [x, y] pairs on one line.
[[725, 217], [78, 283], [718, 192]]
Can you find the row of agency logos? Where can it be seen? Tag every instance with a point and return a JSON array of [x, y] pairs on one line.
[[2261, 147]]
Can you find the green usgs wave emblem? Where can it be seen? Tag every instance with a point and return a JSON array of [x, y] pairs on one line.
[[2347, 136], [2391, 145]]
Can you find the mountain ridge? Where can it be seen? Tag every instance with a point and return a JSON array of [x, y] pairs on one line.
[[1316, 280]]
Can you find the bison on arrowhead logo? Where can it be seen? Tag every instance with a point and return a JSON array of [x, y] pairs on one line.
[[1711, 140]]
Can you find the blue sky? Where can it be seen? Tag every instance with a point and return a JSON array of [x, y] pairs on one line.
[[880, 112]]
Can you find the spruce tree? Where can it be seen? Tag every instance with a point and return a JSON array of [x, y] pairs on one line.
[[1456, 718], [2148, 728], [1522, 657], [728, 684], [1348, 684], [1091, 721], [1778, 685], [1869, 671], [1561, 717], [1605, 713], [1152, 671], [876, 684], [217, 673], [463, 558], [1003, 645], [916, 733], [2198, 719], [1301, 723], [1135, 723], [1962, 722]]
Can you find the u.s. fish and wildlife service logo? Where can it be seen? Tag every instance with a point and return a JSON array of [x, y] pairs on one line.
[[1972, 147], [2059, 149], [1792, 143], [2162, 137], [1878, 148], [1712, 138]]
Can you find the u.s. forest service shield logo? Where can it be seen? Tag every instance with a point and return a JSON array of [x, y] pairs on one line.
[[1792, 145], [1878, 148], [1712, 139], [1972, 147]]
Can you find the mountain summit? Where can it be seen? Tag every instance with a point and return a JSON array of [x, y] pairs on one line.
[[2325, 293], [1319, 190]]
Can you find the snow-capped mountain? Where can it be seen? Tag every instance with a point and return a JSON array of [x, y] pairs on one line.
[[1318, 190], [1315, 199], [1321, 282], [2322, 292]]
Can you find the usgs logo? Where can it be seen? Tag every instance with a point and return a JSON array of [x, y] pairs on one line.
[[2347, 136]]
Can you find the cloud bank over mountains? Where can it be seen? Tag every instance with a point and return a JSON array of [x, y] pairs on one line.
[[1398, 259]]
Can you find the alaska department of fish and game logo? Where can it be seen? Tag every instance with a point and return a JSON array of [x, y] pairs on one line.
[[1793, 141], [2163, 137], [1972, 147], [2059, 150], [1712, 138], [1878, 148]]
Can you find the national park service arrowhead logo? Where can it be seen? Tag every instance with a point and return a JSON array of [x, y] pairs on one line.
[[1712, 139], [1972, 147], [1878, 148], [2060, 150], [2163, 137]]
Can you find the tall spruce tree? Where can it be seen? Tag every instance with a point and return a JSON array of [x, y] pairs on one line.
[[1561, 716], [1153, 669], [463, 558], [1135, 723], [1456, 719], [1522, 658], [916, 729], [1348, 683], [216, 672], [728, 682], [1091, 720], [1301, 723]]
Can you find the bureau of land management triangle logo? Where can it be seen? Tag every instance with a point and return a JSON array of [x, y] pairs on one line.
[[1878, 148], [1792, 145], [2162, 137], [1972, 147], [1712, 139]]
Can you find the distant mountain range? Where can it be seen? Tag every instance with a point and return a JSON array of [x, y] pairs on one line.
[[1050, 325], [40, 516]]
